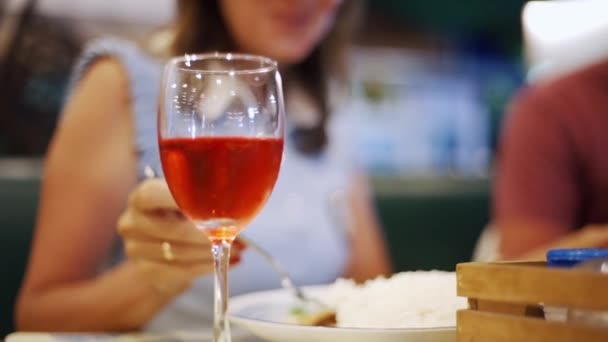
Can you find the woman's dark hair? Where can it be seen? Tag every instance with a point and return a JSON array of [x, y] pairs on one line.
[[200, 27]]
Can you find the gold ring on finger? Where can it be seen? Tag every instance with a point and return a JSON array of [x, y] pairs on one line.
[[167, 251]]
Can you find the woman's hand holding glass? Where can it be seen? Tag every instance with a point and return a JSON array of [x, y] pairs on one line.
[[165, 245]]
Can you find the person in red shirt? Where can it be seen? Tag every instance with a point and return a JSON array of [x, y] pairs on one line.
[[551, 187]]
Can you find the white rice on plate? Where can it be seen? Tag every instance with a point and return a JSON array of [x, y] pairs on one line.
[[421, 299]]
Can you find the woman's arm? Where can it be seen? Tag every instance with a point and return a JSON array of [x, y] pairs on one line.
[[89, 171], [369, 255]]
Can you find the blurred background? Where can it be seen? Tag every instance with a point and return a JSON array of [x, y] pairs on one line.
[[430, 79]]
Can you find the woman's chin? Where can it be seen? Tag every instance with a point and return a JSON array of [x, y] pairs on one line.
[[289, 53]]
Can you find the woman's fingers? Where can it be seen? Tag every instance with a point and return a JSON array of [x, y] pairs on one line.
[[155, 230], [167, 240], [167, 252], [135, 224], [153, 194]]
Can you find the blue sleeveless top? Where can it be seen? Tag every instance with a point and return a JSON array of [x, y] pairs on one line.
[[295, 226]]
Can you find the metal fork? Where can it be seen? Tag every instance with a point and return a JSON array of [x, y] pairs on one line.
[[286, 281]]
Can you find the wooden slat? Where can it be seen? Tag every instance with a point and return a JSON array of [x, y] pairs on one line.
[[484, 326], [533, 284]]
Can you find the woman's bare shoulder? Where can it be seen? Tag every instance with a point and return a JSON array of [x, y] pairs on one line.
[[106, 77]]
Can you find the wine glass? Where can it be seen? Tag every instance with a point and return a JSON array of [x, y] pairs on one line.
[[220, 135]]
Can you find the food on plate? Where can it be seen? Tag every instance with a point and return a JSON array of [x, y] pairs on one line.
[[321, 318], [420, 299]]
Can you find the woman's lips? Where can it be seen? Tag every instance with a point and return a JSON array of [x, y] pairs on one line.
[[293, 21]]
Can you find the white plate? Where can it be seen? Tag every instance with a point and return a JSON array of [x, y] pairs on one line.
[[266, 315]]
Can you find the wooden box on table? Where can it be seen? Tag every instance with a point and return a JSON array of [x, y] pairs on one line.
[[507, 302]]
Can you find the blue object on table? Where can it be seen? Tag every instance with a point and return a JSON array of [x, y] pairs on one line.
[[571, 257]]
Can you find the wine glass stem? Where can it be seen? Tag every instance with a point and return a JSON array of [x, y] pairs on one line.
[[221, 255]]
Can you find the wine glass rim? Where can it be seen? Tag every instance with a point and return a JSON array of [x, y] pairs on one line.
[[269, 64]]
